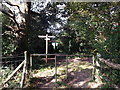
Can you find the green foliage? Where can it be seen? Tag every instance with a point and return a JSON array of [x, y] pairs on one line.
[[77, 36], [14, 82], [8, 39], [3, 74], [96, 27]]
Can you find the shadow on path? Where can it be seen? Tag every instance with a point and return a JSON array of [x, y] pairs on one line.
[[76, 78]]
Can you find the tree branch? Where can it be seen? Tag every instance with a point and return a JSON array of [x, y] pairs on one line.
[[9, 3], [12, 17], [9, 13], [12, 2], [4, 9], [10, 27]]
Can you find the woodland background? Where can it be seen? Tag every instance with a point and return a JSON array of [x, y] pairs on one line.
[[79, 28]]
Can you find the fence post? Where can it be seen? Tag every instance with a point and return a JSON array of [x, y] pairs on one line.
[[26, 62], [55, 72], [93, 72], [97, 70], [30, 63], [67, 67], [24, 70], [13, 73]]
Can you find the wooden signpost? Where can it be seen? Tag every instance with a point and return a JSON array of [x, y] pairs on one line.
[[47, 38]]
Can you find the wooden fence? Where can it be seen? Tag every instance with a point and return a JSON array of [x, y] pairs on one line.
[[55, 61], [110, 64], [96, 64], [11, 62], [24, 65]]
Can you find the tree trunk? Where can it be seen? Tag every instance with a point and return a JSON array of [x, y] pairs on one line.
[[19, 13]]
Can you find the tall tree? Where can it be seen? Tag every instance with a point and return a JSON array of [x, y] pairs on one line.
[[40, 17], [98, 25], [19, 14]]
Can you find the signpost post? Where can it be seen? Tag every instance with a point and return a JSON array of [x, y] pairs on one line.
[[47, 38]]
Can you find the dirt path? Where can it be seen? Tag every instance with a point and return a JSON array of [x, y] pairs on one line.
[[79, 75]]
